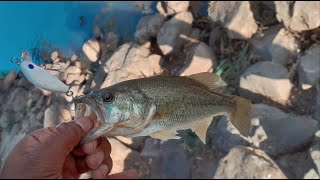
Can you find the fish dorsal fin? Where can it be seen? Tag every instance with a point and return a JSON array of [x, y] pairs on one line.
[[201, 130], [210, 80], [165, 135]]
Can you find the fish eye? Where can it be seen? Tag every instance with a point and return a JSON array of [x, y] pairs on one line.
[[107, 97]]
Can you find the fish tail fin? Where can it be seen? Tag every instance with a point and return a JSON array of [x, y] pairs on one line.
[[240, 116]]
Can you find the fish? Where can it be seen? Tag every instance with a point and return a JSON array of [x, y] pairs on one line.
[[159, 106]]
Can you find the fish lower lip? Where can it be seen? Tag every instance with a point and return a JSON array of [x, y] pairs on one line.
[[90, 107]]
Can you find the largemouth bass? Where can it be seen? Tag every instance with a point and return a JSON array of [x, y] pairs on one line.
[[158, 106]]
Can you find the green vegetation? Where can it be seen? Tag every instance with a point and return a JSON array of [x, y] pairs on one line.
[[230, 70]]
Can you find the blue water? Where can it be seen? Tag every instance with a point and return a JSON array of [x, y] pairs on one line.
[[28, 25]]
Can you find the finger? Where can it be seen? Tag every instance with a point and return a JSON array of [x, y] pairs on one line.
[[102, 152], [69, 168], [35, 138], [82, 166], [90, 148], [78, 152], [94, 160], [130, 174], [103, 170], [67, 136]]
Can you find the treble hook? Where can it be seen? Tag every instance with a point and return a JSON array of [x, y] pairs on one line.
[[16, 60]]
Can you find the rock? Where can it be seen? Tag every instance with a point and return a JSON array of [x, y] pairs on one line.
[[143, 6], [9, 80], [71, 78], [80, 79], [135, 143], [279, 133], [224, 136], [55, 56], [130, 62], [1, 84], [64, 114], [195, 34], [298, 16], [309, 67], [148, 28], [312, 174], [78, 64], [262, 42], [215, 35], [317, 107], [92, 49], [199, 8], [296, 165], [74, 57], [200, 58], [247, 163], [173, 156], [96, 80], [169, 36], [276, 45], [267, 79], [25, 83], [236, 17], [151, 148], [264, 12], [172, 7], [284, 47], [315, 155], [73, 70], [166, 158], [18, 100], [51, 117], [125, 158], [112, 41]]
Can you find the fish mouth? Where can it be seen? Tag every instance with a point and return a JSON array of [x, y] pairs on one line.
[[86, 107]]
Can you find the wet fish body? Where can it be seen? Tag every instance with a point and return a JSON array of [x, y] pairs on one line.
[[159, 106]]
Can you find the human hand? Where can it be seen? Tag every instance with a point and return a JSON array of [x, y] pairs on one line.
[[53, 153]]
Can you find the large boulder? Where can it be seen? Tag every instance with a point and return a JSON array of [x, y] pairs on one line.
[[275, 44], [298, 15], [130, 62], [167, 8], [309, 68], [200, 58], [92, 49], [266, 79], [278, 133], [170, 35], [247, 163], [235, 16], [148, 28], [9, 80]]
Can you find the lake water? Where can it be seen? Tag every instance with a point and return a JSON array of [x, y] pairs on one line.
[[65, 25]]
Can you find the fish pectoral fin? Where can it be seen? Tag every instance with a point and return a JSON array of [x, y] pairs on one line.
[[201, 130], [210, 80], [165, 135]]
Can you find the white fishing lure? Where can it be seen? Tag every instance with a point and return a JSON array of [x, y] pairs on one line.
[[39, 76]]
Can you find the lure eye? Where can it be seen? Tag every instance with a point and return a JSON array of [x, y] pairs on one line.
[[108, 97], [30, 66]]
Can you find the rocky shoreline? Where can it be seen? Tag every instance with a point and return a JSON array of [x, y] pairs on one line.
[[268, 52]]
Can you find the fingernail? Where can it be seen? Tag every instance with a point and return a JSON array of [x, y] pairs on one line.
[[104, 169], [85, 123]]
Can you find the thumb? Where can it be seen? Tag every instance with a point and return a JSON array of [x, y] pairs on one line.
[[67, 135]]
